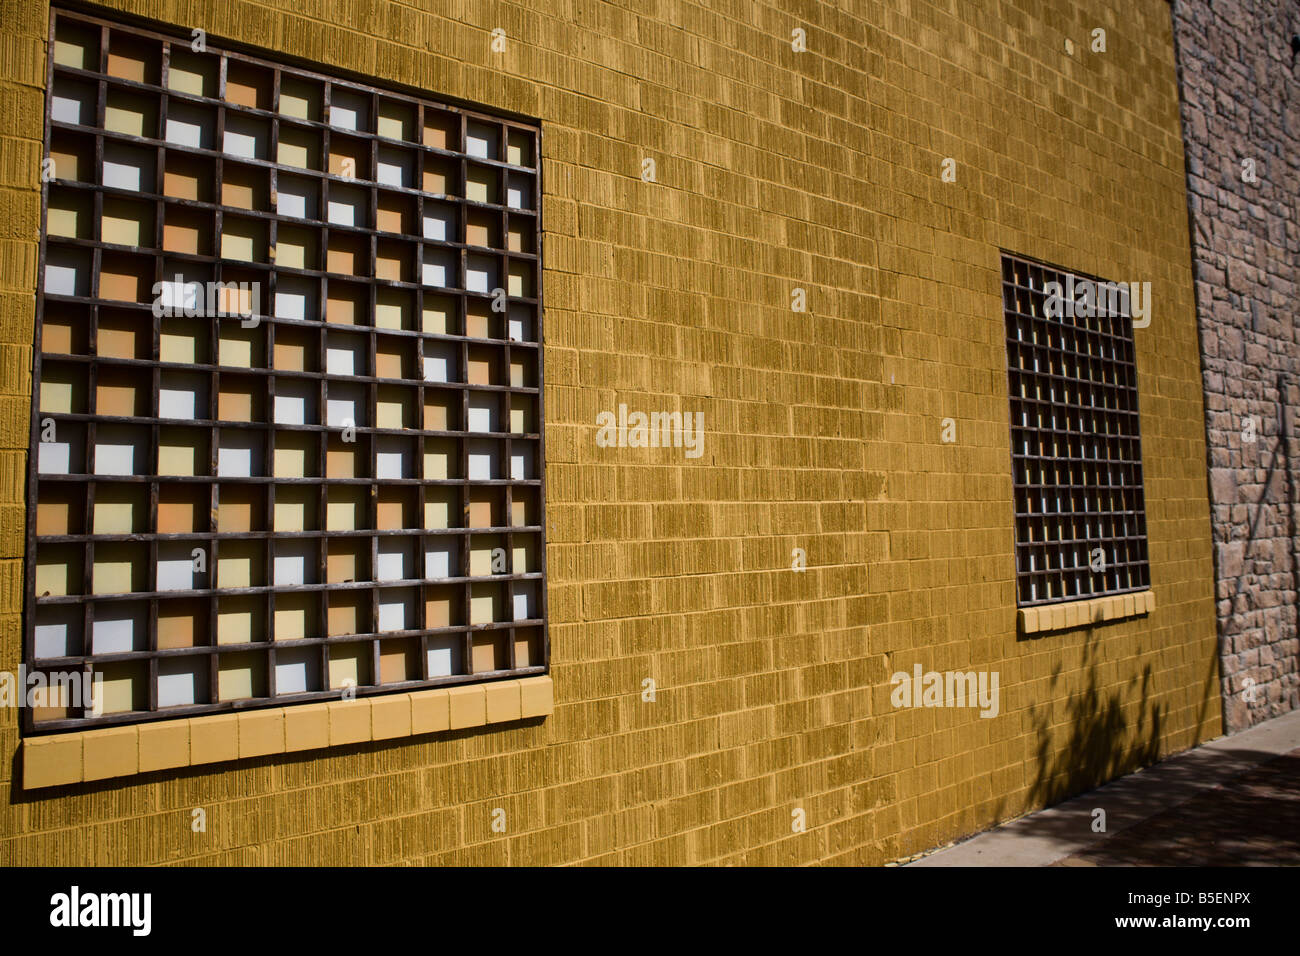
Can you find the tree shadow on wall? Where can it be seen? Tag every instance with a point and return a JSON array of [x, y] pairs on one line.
[[1100, 745]]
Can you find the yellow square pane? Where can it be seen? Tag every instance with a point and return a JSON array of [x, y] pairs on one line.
[[113, 577]]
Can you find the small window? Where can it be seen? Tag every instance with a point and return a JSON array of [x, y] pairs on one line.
[[1076, 448]]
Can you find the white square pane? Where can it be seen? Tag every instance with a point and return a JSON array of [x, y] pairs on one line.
[[175, 574], [113, 459], [525, 601], [392, 561], [290, 569], [177, 403], [122, 175], [181, 680], [442, 656], [54, 458], [292, 671], [438, 561]]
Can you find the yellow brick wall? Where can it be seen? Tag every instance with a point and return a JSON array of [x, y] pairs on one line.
[[775, 170]]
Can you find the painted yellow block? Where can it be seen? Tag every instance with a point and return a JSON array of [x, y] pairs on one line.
[[114, 693], [113, 577], [393, 126], [112, 752], [74, 53], [436, 317], [214, 738], [181, 460], [521, 558], [290, 623], [437, 464], [390, 716], [185, 81], [235, 571], [51, 761], [241, 676], [437, 514], [349, 721], [537, 696], [289, 463], [57, 397], [291, 515], [121, 230], [236, 246], [345, 665], [115, 517], [306, 727], [467, 706], [483, 608], [480, 560], [296, 106], [236, 352], [340, 516], [503, 701], [65, 222], [389, 315], [124, 119], [430, 711], [290, 255], [261, 732], [389, 414], [178, 347], [164, 744], [292, 154], [53, 577]]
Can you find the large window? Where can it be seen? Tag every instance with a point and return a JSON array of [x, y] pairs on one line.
[[286, 435], [1076, 451]]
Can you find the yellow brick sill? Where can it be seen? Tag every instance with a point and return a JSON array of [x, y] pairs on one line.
[[1062, 617], [88, 755]]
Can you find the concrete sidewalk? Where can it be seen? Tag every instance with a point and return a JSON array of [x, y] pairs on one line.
[[1232, 802]]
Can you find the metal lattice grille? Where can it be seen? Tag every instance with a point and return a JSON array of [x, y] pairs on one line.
[[1076, 450], [331, 482]]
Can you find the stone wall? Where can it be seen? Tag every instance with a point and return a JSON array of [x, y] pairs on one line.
[[1240, 81]]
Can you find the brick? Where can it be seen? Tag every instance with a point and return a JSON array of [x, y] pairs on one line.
[[537, 696], [261, 732], [1074, 613], [349, 721], [1096, 610], [429, 711], [467, 706], [214, 738], [390, 716], [164, 744], [306, 727], [503, 701], [52, 761], [111, 752]]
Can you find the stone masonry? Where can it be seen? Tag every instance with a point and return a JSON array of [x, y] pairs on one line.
[[1240, 79]]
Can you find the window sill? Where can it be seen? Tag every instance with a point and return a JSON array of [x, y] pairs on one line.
[[1072, 614], [88, 755]]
